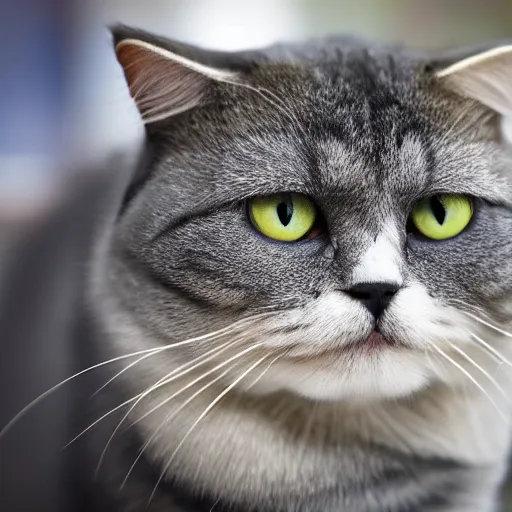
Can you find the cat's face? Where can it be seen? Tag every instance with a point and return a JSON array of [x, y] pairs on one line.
[[364, 138]]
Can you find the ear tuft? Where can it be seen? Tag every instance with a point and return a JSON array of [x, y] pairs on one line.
[[163, 83], [485, 77]]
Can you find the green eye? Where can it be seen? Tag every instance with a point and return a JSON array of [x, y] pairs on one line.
[[284, 217], [443, 216]]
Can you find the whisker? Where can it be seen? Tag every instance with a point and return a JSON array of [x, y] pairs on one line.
[[276, 102], [203, 414], [486, 351], [476, 338], [486, 323], [456, 125], [214, 505], [41, 397], [469, 410], [209, 372], [471, 413], [213, 336], [284, 109], [133, 364], [142, 394], [482, 370], [255, 381], [125, 369], [92, 425], [482, 342], [172, 415], [473, 380], [167, 379], [473, 307]]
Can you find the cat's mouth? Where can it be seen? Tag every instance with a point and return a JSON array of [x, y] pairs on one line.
[[376, 341]]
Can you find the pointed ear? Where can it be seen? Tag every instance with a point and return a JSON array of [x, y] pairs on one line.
[[485, 77], [164, 83]]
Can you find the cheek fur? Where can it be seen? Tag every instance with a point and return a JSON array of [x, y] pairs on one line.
[[417, 320], [317, 366], [327, 323]]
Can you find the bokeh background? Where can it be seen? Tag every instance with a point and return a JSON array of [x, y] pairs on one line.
[[64, 108], [235, 24]]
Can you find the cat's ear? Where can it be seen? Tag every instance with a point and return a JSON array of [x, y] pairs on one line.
[[163, 83], [485, 77], [166, 77]]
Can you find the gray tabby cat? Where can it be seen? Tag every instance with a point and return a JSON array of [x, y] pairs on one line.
[[315, 273]]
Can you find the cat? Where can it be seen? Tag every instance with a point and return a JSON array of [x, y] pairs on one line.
[[313, 277]]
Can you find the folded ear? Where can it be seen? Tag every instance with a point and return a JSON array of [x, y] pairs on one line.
[[163, 83], [167, 78], [485, 77]]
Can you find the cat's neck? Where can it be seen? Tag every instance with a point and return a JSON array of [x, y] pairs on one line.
[[253, 442]]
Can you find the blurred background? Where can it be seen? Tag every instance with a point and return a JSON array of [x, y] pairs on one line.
[[232, 24], [65, 112]]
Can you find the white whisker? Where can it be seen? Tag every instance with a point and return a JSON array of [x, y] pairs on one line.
[[138, 397], [486, 351], [473, 380], [468, 305], [156, 350], [203, 414], [278, 103], [214, 505], [125, 369], [479, 368], [167, 379], [488, 324], [172, 415], [500, 356], [259, 377], [92, 425], [41, 397], [195, 381], [213, 336]]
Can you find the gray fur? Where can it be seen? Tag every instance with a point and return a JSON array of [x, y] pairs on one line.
[[366, 131]]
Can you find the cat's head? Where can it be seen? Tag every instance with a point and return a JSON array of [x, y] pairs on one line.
[[337, 214]]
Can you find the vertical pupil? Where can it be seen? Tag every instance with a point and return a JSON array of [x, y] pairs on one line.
[[285, 211], [438, 209]]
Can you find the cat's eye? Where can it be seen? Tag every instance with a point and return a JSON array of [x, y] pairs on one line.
[[442, 216], [284, 217]]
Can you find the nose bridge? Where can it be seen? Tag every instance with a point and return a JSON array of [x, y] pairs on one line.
[[381, 259]]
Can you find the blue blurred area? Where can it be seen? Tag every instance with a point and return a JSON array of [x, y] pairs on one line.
[[63, 100], [52, 184], [33, 62], [34, 51]]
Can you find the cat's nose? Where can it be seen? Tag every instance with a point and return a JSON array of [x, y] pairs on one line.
[[375, 296]]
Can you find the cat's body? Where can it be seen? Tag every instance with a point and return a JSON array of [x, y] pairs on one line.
[[330, 422]]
